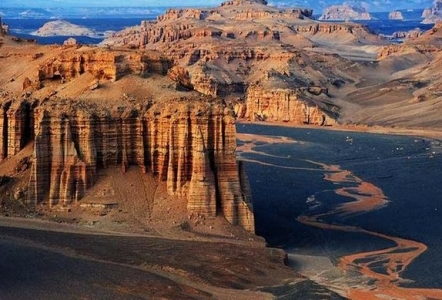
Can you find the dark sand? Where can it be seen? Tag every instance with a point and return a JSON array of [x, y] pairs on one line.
[[365, 274]]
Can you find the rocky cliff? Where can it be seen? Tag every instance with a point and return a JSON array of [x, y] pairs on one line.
[[63, 28], [188, 144], [101, 64], [225, 50], [4, 28], [132, 116], [395, 15], [345, 12], [288, 105], [434, 14]]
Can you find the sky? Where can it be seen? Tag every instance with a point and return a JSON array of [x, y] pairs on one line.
[[104, 3], [371, 5]]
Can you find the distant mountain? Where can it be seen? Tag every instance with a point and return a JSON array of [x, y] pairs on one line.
[[370, 5], [345, 12], [9, 9], [63, 28], [434, 14], [80, 12]]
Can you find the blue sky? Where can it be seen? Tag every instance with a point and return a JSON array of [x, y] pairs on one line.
[[104, 3], [375, 5]]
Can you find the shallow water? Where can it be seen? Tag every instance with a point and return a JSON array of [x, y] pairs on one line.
[[288, 183]]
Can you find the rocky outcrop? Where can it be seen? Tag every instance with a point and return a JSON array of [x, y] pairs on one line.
[[288, 105], [63, 28], [391, 50], [426, 13], [411, 34], [330, 27], [70, 42], [16, 127], [242, 2], [4, 28], [174, 14], [395, 15], [189, 144], [433, 15], [223, 51], [132, 116], [102, 65], [345, 12]]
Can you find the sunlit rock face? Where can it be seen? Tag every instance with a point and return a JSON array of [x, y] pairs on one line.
[[433, 15], [345, 12], [85, 110]]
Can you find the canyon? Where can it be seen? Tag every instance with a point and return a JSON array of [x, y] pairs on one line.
[[312, 72], [241, 48], [138, 135], [164, 97], [79, 122]]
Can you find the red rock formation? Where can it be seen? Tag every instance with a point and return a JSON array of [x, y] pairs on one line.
[[352, 28], [15, 127], [102, 65], [223, 50], [189, 144], [287, 105]]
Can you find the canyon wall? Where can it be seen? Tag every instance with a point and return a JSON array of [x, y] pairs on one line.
[[188, 144], [103, 65], [287, 105]]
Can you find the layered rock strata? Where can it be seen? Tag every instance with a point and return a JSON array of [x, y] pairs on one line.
[[288, 105], [345, 12], [189, 144], [133, 115], [102, 65], [223, 51], [395, 15], [434, 14]]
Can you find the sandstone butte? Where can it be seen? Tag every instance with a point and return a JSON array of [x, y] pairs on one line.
[[434, 14], [345, 12], [63, 28], [395, 15]]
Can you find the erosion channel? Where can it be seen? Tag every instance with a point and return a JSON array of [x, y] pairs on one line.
[[357, 212]]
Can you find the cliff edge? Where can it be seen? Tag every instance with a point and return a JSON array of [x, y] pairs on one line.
[[250, 54], [85, 110]]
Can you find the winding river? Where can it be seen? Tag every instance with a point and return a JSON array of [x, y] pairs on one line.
[[368, 203]]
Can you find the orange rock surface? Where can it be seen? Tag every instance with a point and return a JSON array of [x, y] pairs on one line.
[[87, 109]]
